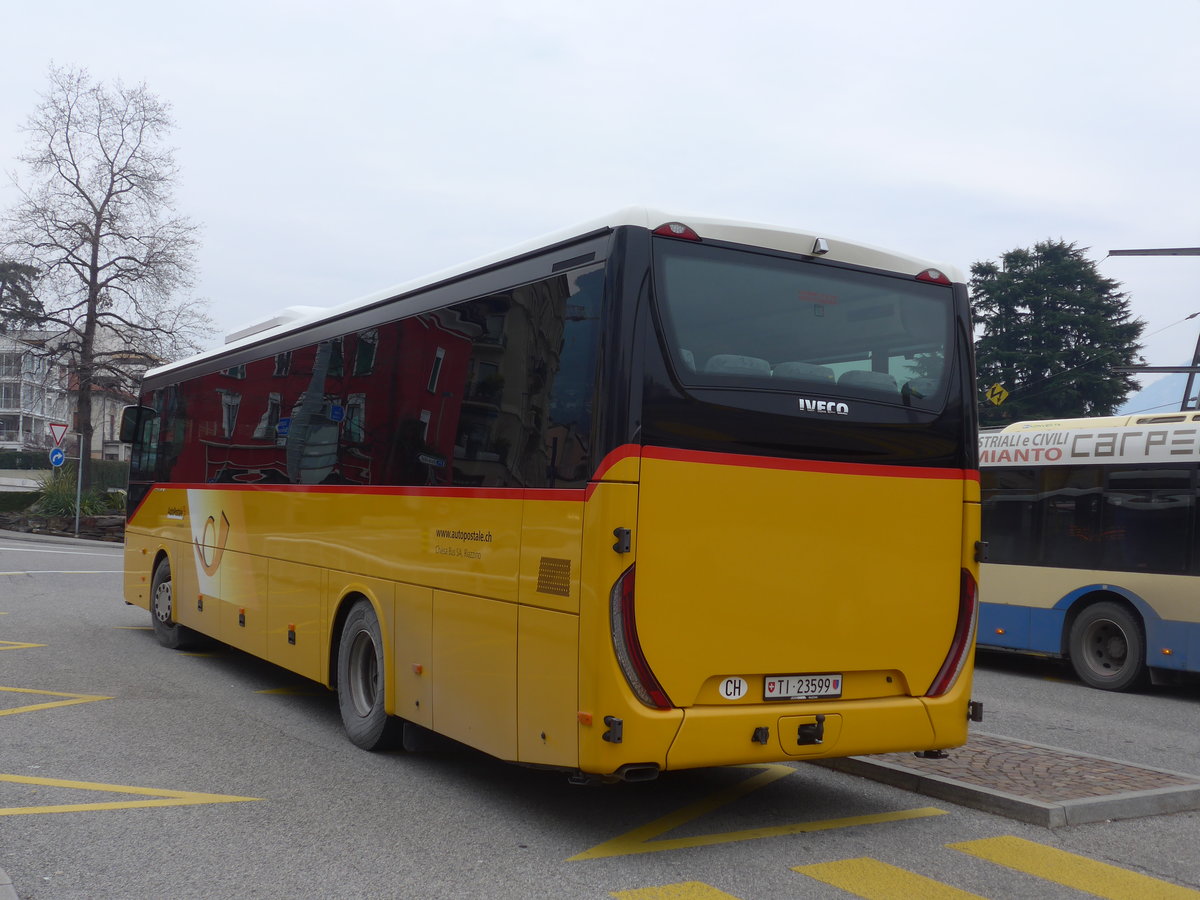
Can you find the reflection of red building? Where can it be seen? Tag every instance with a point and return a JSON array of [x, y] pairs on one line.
[[491, 392], [365, 408]]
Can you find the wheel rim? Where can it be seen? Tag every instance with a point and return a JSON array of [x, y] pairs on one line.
[[363, 673], [162, 602], [1106, 648]]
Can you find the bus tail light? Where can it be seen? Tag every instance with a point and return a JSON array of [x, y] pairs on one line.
[[629, 651], [964, 636]]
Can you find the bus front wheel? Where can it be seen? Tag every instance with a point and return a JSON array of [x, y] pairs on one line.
[[162, 611], [360, 681], [1107, 648]]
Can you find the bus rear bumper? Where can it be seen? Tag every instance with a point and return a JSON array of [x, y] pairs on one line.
[[716, 736]]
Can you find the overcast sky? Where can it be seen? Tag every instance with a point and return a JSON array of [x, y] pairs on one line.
[[332, 150]]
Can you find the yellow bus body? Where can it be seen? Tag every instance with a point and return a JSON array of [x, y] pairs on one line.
[[503, 641], [599, 491]]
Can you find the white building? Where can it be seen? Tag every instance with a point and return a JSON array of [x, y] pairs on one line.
[[34, 392]]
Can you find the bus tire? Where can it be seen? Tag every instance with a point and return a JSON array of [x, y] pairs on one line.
[[361, 676], [170, 633], [1108, 647]]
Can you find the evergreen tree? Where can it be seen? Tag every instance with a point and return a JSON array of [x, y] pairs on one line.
[[19, 307], [1050, 328]]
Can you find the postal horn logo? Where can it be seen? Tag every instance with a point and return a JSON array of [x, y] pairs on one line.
[[211, 547]]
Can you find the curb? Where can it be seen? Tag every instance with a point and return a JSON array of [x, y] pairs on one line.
[[56, 539], [1049, 814], [7, 891]]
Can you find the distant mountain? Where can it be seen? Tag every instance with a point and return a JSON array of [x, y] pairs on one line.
[[1162, 396]]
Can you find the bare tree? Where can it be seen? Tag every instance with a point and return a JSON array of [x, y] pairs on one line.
[[96, 219]]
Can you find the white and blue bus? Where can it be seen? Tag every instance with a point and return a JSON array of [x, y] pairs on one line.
[[1091, 527]]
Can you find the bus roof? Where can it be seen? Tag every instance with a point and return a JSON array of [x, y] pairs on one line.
[[297, 318], [1101, 422]]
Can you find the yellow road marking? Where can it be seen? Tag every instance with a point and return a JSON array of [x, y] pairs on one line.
[[877, 880], [1078, 872], [641, 839], [163, 797], [71, 700], [16, 645], [684, 890]]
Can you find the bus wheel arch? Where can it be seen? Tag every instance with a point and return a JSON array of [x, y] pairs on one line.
[[358, 668], [167, 629], [1105, 641]]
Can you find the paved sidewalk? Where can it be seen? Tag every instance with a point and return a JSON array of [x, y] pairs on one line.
[[1031, 782]]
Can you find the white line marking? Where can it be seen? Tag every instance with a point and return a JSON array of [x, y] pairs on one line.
[[66, 572], [68, 552]]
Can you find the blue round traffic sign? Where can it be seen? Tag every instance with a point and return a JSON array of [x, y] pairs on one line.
[[57, 457]]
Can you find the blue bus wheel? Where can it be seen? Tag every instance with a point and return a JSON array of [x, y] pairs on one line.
[[1108, 648]]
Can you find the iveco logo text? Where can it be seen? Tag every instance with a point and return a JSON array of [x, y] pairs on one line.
[[825, 406]]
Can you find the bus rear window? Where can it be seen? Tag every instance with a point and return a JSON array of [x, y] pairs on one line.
[[744, 319]]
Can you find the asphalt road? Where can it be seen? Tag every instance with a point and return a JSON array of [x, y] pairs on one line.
[[132, 771]]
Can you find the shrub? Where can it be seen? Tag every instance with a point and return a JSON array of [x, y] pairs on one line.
[[58, 497]]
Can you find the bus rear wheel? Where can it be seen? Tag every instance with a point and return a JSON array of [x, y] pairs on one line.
[[1107, 647], [361, 671], [170, 633]]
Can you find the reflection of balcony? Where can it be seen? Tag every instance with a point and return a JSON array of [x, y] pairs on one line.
[[492, 398], [488, 390], [489, 339]]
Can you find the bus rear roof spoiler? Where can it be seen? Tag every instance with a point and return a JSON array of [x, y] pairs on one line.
[[286, 316]]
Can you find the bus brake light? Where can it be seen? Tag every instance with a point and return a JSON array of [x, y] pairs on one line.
[[677, 230], [936, 276], [628, 649], [964, 637]]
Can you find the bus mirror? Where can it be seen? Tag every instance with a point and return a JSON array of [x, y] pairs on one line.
[[131, 418]]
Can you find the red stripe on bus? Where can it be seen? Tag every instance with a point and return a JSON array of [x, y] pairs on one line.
[[620, 454], [495, 493], [575, 495]]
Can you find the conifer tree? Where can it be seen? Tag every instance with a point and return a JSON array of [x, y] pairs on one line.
[[1050, 328]]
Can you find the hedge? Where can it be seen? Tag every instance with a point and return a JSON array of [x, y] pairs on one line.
[[17, 501]]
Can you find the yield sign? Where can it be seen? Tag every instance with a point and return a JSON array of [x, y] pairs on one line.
[[58, 431]]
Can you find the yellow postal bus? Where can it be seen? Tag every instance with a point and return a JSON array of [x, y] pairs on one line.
[[648, 494]]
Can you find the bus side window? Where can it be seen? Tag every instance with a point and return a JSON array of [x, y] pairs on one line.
[[1071, 502], [1148, 519], [1010, 516]]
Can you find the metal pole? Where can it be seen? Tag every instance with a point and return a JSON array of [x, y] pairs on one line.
[[78, 480], [1185, 404]]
